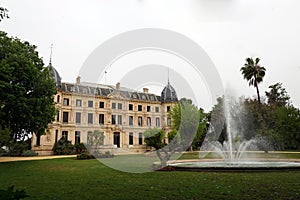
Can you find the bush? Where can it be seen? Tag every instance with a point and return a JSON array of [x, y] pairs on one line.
[[107, 154], [63, 147], [9, 194], [80, 148], [3, 152], [28, 153], [16, 149], [85, 156]]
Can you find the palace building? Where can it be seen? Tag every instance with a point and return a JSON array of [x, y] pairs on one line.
[[121, 114]]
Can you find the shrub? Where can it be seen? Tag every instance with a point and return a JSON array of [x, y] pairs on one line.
[[85, 156], [3, 152], [9, 194], [16, 149], [63, 147], [28, 153], [80, 148], [107, 154]]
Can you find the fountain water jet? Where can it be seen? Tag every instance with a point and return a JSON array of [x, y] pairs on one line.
[[232, 149]]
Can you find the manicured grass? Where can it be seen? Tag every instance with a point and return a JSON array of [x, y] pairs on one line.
[[89, 179]]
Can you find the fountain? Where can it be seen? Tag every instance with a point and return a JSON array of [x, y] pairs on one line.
[[231, 152]]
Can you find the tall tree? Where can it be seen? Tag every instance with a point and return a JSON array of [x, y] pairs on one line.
[[253, 73], [26, 89], [3, 13], [277, 96]]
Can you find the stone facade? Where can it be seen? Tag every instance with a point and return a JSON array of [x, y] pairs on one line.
[[121, 114]]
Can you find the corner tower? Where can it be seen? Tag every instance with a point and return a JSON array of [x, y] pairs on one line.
[[168, 94]]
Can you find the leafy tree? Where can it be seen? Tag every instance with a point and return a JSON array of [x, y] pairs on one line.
[[253, 73], [95, 138], [277, 96], [26, 89], [154, 138], [3, 13], [5, 139], [189, 121]]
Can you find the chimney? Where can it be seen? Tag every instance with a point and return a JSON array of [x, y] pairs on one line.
[[118, 86], [145, 90], [78, 80]]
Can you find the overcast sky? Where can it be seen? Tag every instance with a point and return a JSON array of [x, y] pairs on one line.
[[228, 30]]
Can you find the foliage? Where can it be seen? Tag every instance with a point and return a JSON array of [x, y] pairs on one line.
[[17, 149], [26, 89], [253, 73], [3, 13], [277, 96], [84, 156], [281, 121], [186, 119], [10, 194], [188, 130], [95, 138], [154, 138], [80, 148], [96, 154], [28, 153], [5, 139], [63, 147]]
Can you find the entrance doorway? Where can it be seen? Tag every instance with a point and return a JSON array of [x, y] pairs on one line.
[[117, 139]]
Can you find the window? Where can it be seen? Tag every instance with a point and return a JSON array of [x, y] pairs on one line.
[[64, 134], [58, 99], [120, 119], [157, 120], [130, 107], [140, 138], [168, 108], [90, 118], [66, 101], [148, 108], [57, 116], [140, 107], [140, 121], [157, 109], [130, 138], [169, 121], [148, 121], [65, 117], [101, 118], [113, 119], [78, 102], [130, 120], [77, 137], [90, 104], [101, 104], [78, 118], [113, 105], [119, 106]]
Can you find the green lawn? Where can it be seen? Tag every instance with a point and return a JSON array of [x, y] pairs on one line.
[[89, 179]]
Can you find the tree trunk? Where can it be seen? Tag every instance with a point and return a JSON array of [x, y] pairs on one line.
[[258, 95]]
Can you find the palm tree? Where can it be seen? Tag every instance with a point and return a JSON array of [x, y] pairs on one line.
[[253, 73]]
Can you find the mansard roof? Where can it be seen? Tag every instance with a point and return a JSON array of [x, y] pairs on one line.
[[108, 90]]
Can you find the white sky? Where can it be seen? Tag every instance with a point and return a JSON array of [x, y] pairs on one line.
[[228, 30]]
